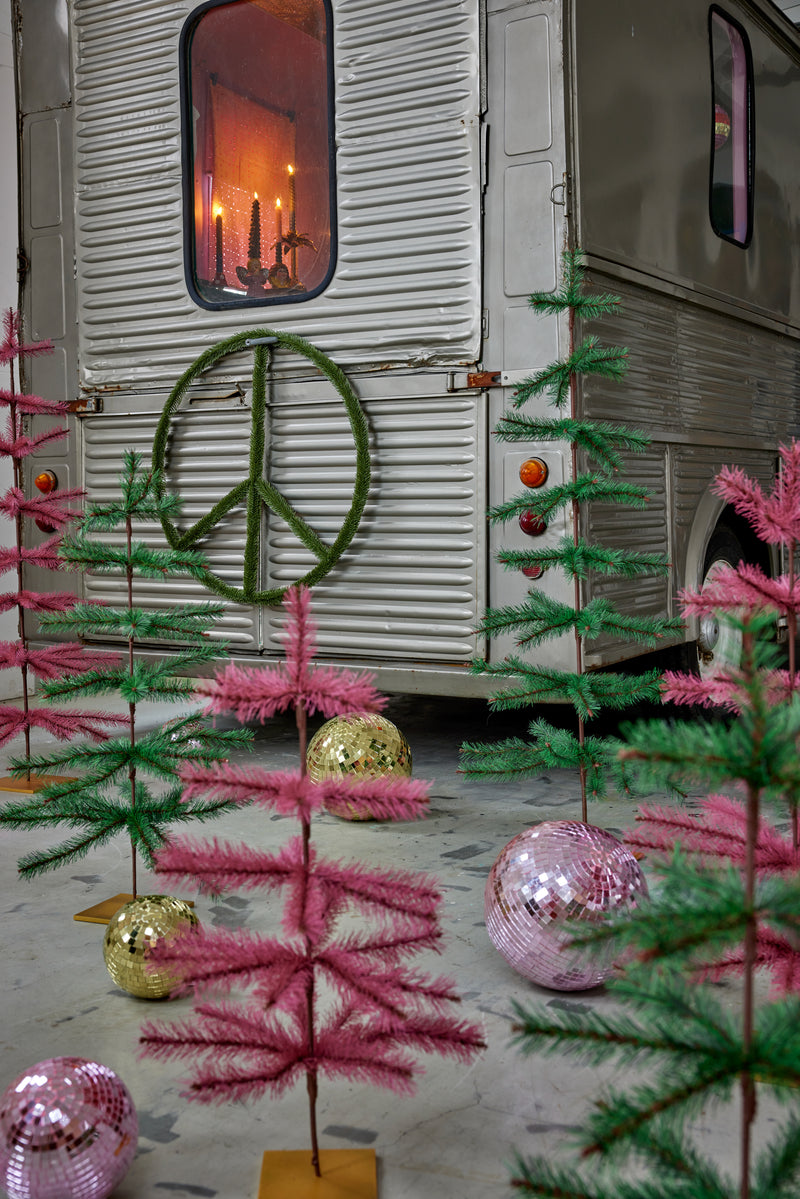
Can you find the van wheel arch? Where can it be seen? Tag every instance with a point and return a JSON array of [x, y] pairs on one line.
[[717, 645]]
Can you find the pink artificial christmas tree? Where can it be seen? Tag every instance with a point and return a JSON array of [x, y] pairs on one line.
[[381, 1010], [52, 513], [720, 832]]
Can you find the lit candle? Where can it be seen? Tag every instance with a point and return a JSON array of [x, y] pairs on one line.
[[218, 227], [292, 225], [255, 229], [278, 232]]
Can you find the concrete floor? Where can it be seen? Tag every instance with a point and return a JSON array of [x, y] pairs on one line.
[[456, 1137]]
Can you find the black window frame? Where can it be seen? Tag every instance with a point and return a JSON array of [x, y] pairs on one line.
[[187, 172], [716, 10]]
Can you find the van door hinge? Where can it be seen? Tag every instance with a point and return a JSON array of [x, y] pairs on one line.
[[86, 404], [484, 379], [23, 266], [475, 380]]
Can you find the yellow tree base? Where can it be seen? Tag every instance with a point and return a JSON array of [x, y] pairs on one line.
[[34, 783], [346, 1174], [101, 913]]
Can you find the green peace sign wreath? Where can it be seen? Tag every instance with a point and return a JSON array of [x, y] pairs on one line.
[[256, 491]]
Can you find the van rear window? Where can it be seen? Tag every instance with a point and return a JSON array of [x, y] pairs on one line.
[[731, 198], [258, 151]]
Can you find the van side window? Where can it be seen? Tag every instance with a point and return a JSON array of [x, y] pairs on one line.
[[258, 152], [731, 198]]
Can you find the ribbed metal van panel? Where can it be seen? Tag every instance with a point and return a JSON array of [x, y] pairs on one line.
[[208, 458], [408, 586], [407, 282]]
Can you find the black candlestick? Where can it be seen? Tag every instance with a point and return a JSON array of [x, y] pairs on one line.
[[255, 230], [218, 225], [219, 275]]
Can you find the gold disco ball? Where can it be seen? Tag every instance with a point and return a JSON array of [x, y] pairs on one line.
[[132, 932], [357, 747]]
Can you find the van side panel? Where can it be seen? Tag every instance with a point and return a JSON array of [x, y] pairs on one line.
[[710, 390], [644, 139], [711, 327]]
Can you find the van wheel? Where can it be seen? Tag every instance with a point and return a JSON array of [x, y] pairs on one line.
[[719, 643]]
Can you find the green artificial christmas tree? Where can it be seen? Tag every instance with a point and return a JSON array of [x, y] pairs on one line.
[[597, 450], [127, 783], [688, 1048]]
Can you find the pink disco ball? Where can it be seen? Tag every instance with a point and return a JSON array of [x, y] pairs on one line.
[[68, 1130], [546, 879]]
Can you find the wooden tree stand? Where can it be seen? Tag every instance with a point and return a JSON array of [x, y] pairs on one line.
[[346, 1174], [102, 912], [33, 783]]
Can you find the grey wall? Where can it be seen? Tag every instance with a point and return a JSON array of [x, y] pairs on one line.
[[791, 8]]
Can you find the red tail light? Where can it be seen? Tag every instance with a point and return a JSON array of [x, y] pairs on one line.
[[532, 524]]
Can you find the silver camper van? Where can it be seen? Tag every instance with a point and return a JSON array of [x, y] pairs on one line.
[[389, 182]]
